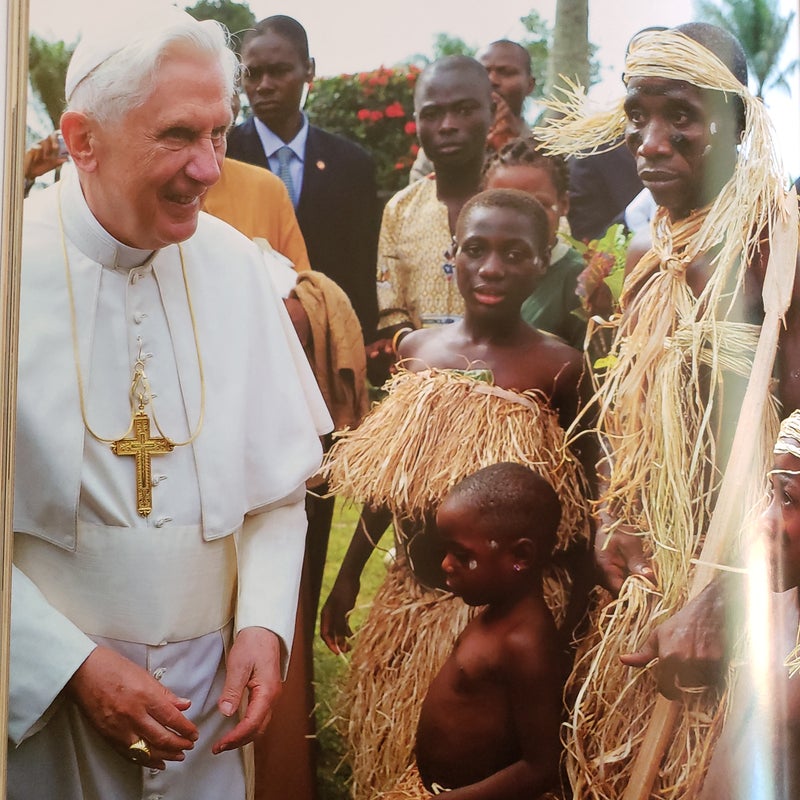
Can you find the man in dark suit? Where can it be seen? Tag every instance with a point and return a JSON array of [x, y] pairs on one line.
[[331, 180], [600, 187]]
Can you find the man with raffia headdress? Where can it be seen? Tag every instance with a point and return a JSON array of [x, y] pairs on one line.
[[690, 319], [167, 422], [438, 425]]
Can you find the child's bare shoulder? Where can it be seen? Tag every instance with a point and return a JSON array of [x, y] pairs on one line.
[[554, 345], [530, 646], [411, 343], [550, 358], [441, 347]]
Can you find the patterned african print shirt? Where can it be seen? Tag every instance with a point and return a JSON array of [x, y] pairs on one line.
[[416, 274]]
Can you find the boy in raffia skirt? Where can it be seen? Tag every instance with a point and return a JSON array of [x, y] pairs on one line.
[[489, 726], [437, 425]]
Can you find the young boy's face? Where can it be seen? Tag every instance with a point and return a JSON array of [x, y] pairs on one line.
[[781, 522], [477, 567], [498, 260]]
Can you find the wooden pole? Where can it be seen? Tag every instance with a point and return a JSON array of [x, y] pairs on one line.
[[13, 113], [777, 293]]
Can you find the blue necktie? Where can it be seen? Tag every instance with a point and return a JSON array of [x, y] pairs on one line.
[[285, 155]]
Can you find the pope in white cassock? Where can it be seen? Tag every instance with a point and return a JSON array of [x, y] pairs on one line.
[[167, 424]]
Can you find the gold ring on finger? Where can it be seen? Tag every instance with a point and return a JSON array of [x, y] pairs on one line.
[[139, 752]]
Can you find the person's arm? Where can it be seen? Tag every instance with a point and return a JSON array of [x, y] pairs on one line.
[[788, 358], [53, 661], [532, 670], [693, 646], [269, 550], [393, 317], [618, 552], [38, 630], [334, 628], [41, 159], [506, 125]]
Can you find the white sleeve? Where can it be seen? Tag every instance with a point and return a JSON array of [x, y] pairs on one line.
[[280, 269], [269, 550], [46, 650]]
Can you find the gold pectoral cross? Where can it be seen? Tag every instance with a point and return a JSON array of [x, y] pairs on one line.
[[142, 447]]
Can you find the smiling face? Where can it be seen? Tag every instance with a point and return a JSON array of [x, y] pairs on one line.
[[275, 74], [499, 260], [144, 176], [453, 114], [781, 523], [683, 140]]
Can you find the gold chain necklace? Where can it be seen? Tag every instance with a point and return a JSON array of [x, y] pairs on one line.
[[141, 446]]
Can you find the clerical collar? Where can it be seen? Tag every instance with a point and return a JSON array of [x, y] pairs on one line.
[[87, 234]]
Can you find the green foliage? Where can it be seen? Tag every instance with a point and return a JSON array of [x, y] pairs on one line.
[[537, 43], [600, 283], [375, 109], [47, 69], [446, 45], [330, 670], [236, 17], [762, 32]]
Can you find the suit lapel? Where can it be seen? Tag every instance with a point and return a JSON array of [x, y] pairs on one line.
[[252, 149], [314, 167]]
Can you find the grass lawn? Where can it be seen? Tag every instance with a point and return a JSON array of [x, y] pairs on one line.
[[332, 774]]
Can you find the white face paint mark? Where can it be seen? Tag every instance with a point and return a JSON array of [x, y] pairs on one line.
[[473, 564], [493, 544]]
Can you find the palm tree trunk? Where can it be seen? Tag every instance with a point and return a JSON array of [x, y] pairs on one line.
[[569, 54]]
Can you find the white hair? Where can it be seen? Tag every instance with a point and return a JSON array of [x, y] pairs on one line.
[[113, 72]]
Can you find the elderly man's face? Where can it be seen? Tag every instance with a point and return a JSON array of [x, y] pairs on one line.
[[683, 145], [152, 168]]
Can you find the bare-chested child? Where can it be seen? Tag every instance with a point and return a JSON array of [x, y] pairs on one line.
[[532, 392], [490, 721]]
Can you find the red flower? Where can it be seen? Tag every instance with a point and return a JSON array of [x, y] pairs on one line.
[[395, 110], [399, 165], [363, 114], [410, 128], [414, 149], [375, 116]]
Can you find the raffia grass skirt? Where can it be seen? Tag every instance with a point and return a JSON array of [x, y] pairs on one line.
[[432, 430], [410, 787]]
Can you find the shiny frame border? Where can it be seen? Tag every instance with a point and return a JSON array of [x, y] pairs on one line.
[[13, 138]]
